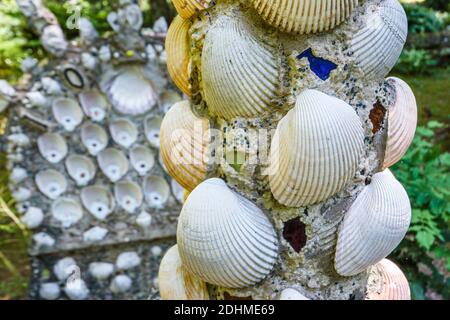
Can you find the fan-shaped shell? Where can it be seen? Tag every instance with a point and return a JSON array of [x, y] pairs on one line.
[[51, 183], [402, 122], [315, 150], [94, 104], [177, 52], [80, 168], [128, 195], [188, 8], [152, 127], [113, 163], [67, 112], [142, 159], [98, 201], [94, 138], [240, 72], [378, 44], [374, 225], [52, 147], [305, 16], [225, 239], [123, 132], [176, 283], [392, 283], [156, 191], [131, 92], [67, 211], [184, 146]]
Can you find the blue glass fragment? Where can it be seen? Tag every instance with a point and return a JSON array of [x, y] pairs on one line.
[[321, 67]]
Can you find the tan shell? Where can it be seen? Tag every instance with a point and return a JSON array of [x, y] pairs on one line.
[[175, 283], [315, 150], [304, 16], [177, 52], [184, 145], [402, 122], [387, 282], [188, 8]]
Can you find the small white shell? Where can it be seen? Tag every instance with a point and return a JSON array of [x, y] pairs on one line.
[[53, 40], [64, 268], [101, 270], [152, 126], [87, 30], [67, 113], [76, 289], [176, 283], [94, 104], [19, 139], [37, 99], [156, 191], [98, 201], [378, 44], [134, 16], [104, 53], [51, 86], [88, 61], [132, 93], [144, 220], [52, 147], [373, 226], [113, 163], [49, 291], [240, 72], [33, 217], [402, 122], [43, 240], [95, 234], [391, 282], [142, 159], [121, 283], [80, 168], [315, 150], [123, 132], [291, 294], [21, 194], [177, 190], [51, 183], [128, 260], [129, 195], [94, 138], [67, 211], [225, 239]]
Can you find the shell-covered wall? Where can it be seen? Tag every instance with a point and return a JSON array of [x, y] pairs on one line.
[[83, 152], [299, 115]]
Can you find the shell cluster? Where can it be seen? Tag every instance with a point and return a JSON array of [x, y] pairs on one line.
[[83, 147], [298, 126]]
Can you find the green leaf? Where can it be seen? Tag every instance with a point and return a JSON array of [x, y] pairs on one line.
[[425, 239]]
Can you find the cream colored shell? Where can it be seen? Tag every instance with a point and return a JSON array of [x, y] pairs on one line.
[[188, 8], [315, 150], [304, 16], [240, 72], [373, 226], [175, 282], [402, 122], [225, 239], [184, 145], [390, 282]]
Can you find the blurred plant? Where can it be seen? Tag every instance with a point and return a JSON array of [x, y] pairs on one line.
[[425, 253], [416, 61], [441, 5], [422, 19]]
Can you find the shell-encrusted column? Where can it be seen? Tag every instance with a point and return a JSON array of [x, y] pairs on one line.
[[284, 148]]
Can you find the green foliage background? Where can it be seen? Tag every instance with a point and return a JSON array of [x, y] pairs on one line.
[[424, 255]]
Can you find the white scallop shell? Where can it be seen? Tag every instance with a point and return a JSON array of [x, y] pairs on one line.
[[94, 104], [373, 226], [184, 148], [123, 132], [98, 201], [52, 147], [80, 168], [113, 163], [128, 195], [51, 183], [402, 122], [67, 113], [378, 44], [132, 92], [304, 16], [94, 138], [142, 159], [156, 191], [152, 126], [392, 283], [176, 283], [67, 211], [315, 150], [225, 239], [240, 72]]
